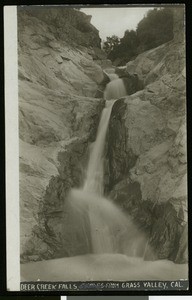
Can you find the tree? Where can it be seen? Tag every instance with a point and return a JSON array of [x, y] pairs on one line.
[[126, 49], [153, 30], [110, 43]]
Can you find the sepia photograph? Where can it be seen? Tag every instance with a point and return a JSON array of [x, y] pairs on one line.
[[102, 182]]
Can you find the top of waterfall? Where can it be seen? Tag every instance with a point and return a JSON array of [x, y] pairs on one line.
[[110, 72], [113, 76]]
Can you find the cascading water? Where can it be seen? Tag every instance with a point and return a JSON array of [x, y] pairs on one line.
[[113, 236], [94, 176], [101, 211], [115, 89], [109, 226]]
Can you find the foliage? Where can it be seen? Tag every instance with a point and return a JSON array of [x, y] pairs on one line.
[[153, 30], [127, 48], [110, 43]]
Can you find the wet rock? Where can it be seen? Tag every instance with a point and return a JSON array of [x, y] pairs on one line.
[[132, 84], [120, 159], [131, 81]]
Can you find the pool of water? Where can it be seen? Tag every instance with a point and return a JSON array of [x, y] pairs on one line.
[[96, 267]]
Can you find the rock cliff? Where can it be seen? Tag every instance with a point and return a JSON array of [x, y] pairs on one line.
[[147, 149], [58, 50]]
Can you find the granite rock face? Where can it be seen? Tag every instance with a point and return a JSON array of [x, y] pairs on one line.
[[66, 24], [147, 150], [58, 117]]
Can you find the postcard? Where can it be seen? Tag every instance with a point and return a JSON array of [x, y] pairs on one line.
[[96, 162]]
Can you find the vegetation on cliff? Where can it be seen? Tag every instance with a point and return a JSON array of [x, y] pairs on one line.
[[153, 30]]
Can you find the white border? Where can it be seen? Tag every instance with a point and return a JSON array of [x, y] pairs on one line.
[[12, 148]]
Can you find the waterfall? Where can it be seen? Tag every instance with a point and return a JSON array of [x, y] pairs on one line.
[[113, 247], [115, 89], [101, 211], [111, 230], [94, 176]]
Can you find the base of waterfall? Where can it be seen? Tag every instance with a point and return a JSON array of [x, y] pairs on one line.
[[102, 267]]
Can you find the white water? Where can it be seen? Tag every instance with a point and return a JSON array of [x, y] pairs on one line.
[[114, 267], [94, 176], [115, 89], [112, 76], [109, 226], [107, 222], [111, 230]]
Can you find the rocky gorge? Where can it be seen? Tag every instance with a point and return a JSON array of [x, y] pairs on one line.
[[61, 80]]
